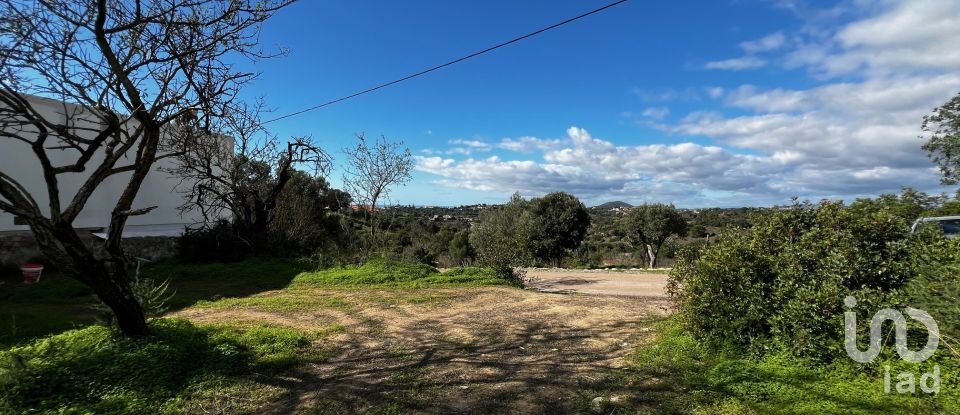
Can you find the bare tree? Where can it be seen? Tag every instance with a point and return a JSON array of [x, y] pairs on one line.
[[372, 171], [244, 173], [131, 70]]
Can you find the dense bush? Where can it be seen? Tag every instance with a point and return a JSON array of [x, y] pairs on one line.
[[558, 224], [217, 243], [93, 370], [782, 283], [499, 236], [936, 286]]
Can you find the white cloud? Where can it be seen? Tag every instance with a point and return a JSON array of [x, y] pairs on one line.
[[468, 147], [528, 144], [591, 167], [737, 64], [854, 133], [667, 95], [901, 36], [657, 113], [767, 43], [478, 144], [432, 163]]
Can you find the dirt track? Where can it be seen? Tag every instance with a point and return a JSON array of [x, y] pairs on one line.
[[462, 350], [599, 282]]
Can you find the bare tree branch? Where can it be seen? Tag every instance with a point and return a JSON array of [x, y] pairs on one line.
[[371, 171], [122, 76]]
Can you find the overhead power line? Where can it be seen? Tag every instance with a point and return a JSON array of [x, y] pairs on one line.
[[455, 61]]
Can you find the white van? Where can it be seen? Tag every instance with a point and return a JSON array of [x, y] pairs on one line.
[[950, 225]]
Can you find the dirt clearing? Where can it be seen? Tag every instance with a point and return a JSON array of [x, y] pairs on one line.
[[600, 282], [457, 350]]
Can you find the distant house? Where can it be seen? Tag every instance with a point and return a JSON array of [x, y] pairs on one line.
[[159, 188], [362, 208]]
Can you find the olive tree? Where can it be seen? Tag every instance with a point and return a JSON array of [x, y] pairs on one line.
[[942, 132], [131, 71], [499, 236], [559, 223], [649, 225]]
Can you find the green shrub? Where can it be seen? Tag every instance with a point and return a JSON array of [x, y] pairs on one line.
[[92, 370], [782, 283], [936, 287], [218, 243], [688, 377]]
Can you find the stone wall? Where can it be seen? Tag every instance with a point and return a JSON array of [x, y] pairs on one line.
[[18, 247]]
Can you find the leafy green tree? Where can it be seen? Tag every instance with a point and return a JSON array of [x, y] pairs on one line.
[[244, 180], [649, 225], [460, 250], [305, 215], [909, 205], [559, 223], [943, 144], [698, 230], [499, 236]]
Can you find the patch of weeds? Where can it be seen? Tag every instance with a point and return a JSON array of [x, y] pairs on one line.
[[286, 301], [22, 322], [272, 348], [331, 330], [398, 275], [410, 390], [221, 395], [92, 370], [52, 289], [678, 375], [375, 328], [429, 298]]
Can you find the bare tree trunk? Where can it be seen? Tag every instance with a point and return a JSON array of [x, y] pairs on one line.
[[652, 256], [120, 298], [107, 277]]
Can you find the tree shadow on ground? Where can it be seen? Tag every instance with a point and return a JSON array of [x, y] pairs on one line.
[[191, 283], [532, 367], [540, 366], [58, 303]]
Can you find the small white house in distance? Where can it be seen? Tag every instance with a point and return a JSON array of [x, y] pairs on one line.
[[159, 189]]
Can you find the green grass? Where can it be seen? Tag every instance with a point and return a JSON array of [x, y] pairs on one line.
[[681, 376], [204, 282], [54, 305], [59, 303], [389, 275], [289, 301], [180, 366]]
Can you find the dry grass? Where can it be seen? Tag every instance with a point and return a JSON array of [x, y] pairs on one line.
[[442, 350]]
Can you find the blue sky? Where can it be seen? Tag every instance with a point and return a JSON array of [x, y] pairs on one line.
[[717, 103]]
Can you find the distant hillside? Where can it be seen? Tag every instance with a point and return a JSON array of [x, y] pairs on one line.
[[613, 205]]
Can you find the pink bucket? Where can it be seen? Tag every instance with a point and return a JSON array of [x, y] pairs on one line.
[[31, 273]]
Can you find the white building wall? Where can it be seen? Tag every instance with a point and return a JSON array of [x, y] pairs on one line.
[[158, 189]]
